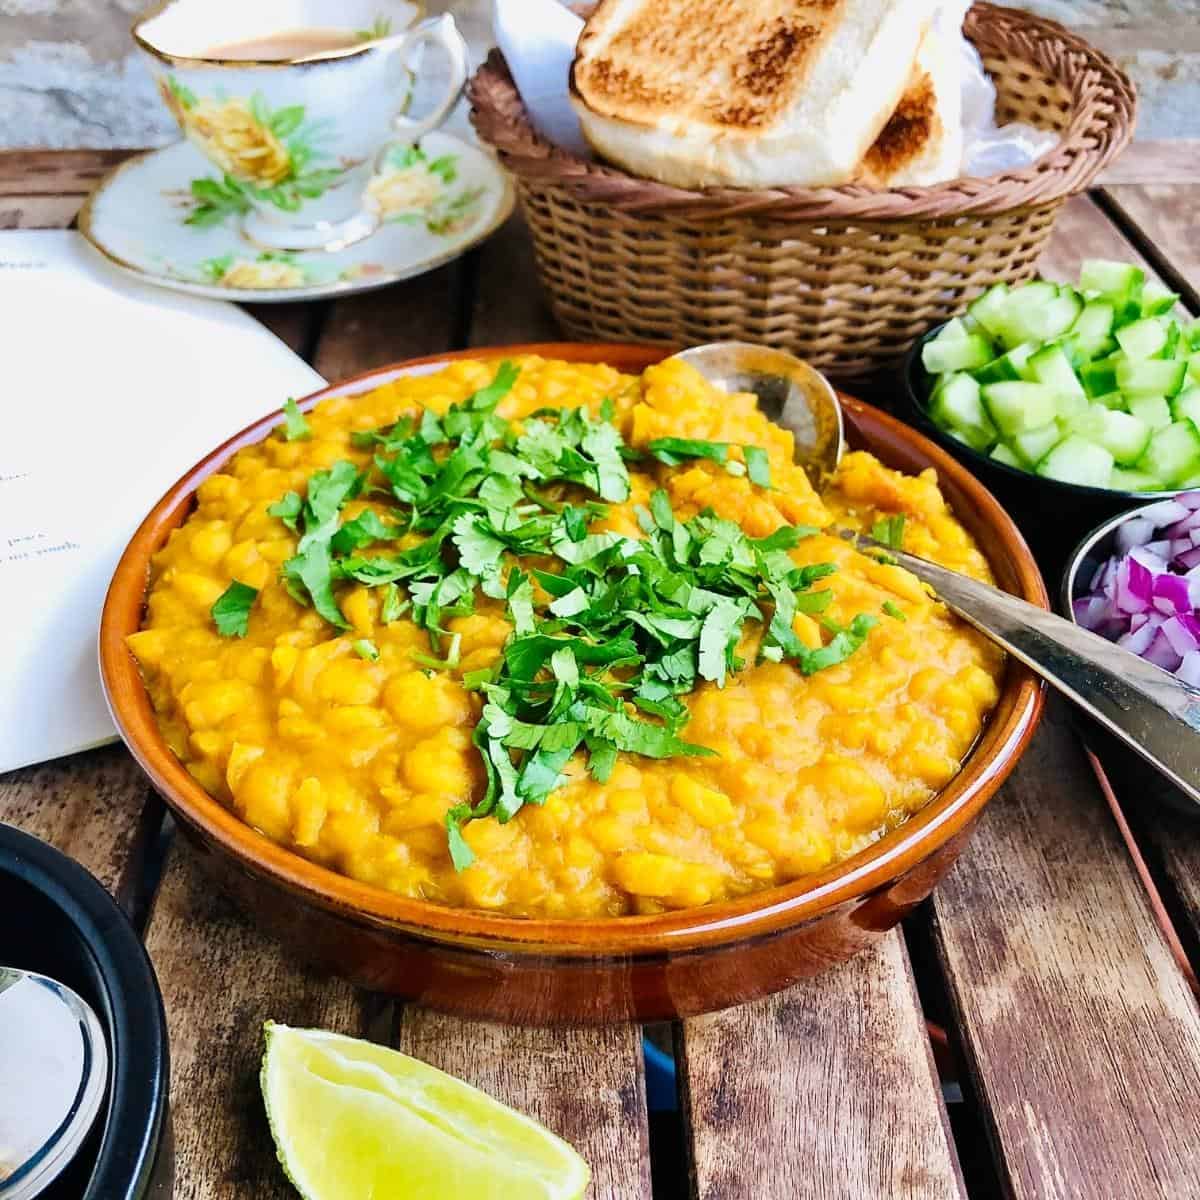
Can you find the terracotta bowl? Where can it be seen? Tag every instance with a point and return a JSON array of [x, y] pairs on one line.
[[585, 971]]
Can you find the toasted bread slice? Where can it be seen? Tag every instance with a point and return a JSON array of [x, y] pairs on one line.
[[744, 93], [922, 143]]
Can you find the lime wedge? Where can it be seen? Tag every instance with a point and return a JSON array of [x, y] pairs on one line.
[[352, 1119]]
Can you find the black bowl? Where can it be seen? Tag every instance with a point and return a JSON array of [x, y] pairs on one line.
[[67, 926], [1052, 515]]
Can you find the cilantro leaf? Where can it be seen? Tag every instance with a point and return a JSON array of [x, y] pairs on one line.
[[890, 531], [391, 607], [231, 610], [894, 610], [460, 853], [365, 648], [295, 427], [758, 465], [287, 509], [673, 451]]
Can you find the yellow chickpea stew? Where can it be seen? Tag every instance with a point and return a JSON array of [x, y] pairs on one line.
[[541, 638]]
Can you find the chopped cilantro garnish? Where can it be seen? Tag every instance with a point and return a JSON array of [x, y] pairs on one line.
[[758, 465], [890, 531], [609, 632], [674, 451], [295, 427], [231, 610], [894, 610]]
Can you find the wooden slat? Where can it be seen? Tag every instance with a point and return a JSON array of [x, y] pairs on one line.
[[510, 306], [55, 172], [585, 1084], [1166, 160], [89, 805], [221, 979], [1078, 1025], [1083, 231], [408, 319], [294, 324], [826, 1091], [1165, 215], [38, 212]]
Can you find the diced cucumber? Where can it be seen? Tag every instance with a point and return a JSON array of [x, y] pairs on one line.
[[1070, 408], [1120, 433], [1153, 411], [1157, 300], [1173, 347], [1142, 339], [1173, 453], [1076, 460], [1186, 406], [1110, 278], [1018, 407], [1150, 377], [1051, 366], [1099, 378], [1193, 367], [988, 309], [956, 407], [1009, 367], [942, 355], [1191, 334], [1037, 443], [1004, 454], [1133, 481], [1091, 334], [953, 328], [1037, 312], [1110, 400]]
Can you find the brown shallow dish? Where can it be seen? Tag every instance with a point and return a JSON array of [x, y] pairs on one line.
[[582, 971]]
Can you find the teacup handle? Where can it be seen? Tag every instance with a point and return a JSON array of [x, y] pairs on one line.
[[440, 31]]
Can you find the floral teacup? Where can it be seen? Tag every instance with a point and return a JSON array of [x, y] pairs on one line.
[[296, 140]]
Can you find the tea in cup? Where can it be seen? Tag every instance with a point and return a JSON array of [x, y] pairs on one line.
[[295, 102]]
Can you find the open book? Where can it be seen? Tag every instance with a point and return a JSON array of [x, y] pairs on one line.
[[109, 391]]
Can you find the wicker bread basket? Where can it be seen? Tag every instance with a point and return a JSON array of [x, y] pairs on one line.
[[845, 276]]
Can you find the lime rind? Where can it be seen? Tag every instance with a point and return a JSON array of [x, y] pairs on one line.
[[414, 1130]]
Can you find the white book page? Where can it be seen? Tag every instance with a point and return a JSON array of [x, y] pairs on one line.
[[109, 391]]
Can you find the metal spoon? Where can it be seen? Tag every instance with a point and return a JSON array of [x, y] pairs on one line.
[[1152, 712], [53, 1077], [789, 391]]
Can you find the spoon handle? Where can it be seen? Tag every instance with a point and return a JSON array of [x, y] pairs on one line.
[[1147, 708]]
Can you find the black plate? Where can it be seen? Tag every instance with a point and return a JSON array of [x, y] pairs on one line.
[[61, 922], [1054, 516]]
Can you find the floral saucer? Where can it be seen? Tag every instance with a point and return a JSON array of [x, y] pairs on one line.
[[168, 218]]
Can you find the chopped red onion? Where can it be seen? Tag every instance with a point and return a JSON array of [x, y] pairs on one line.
[[1146, 598], [1189, 669]]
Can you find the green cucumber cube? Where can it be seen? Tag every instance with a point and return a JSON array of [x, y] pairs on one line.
[[1091, 335], [1151, 377], [1018, 407], [1111, 278], [1157, 300], [944, 355], [1173, 453], [988, 309], [956, 407], [1009, 367], [1186, 406], [953, 328], [1110, 400], [1123, 480], [1099, 378], [1142, 339], [1004, 454], [1033, 446], [1120, 433], [1076, 460], [1153, 411], [1051, 366]]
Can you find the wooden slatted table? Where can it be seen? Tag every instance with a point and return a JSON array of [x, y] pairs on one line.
[[1045, 989]]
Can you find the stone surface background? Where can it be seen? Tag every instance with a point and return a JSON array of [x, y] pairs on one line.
[[68, 76]]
